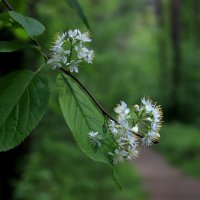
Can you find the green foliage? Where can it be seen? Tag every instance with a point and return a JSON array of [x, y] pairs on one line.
[[82, 117], [180, 144], [31, 26], [76, 6], [57, 170], [23, 100], [10, 46], [189, 92], [116, 178]]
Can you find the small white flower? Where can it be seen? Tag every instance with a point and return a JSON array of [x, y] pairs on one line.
[[54, 63], [60, 39], [149, 138], [133, 140], [123, 113], [95, 138], [73, 34], [154, 127], [132, 152], [57, 49], [73, 65], [73, 68], [122, 108], [84, 53], [146, 141], [59, 55], [157, 113], [118, 156], [112, 127], [135, 129], [148, 105], [89, 57], [136, 108], [124, 123], [84, 37]]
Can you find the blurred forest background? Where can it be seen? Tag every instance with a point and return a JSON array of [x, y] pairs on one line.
[[143, 47]]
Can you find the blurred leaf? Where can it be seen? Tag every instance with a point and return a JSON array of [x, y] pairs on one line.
[[23, 100], [6, 21], [4, 16], [116, 178], [10, 46], [81, 116], [74, 4], [32, 26]]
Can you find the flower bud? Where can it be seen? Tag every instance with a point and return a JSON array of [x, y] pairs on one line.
[[148, 119], [136, 108], [135, 129], [157, 135]]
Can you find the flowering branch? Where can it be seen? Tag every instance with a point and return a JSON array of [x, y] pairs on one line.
[[104, 112], [94, 128], [62, 57], [9, 7]]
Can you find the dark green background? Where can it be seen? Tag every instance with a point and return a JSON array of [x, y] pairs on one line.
[[142, 47]]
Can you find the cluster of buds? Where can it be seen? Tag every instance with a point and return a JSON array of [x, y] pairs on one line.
[[133, 129], [69, 50]]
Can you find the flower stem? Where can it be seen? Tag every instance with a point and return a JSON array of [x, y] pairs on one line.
[[71, 49]]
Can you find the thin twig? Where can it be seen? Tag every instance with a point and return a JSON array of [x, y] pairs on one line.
[[41, 49], [8, 6]]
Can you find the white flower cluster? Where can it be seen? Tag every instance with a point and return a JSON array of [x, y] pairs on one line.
[[69, 49], [127, 142], [130, 134], [95, 138]]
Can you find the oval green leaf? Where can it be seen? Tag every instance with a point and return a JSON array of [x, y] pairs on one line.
[[82, 116], [23, 100], [10, 46], [30, 25]]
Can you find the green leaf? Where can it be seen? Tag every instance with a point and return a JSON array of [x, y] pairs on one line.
[[81, 116], [23, 100], [31, 26], [5, 19], [10, 46], [74, 4]]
